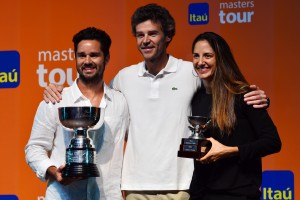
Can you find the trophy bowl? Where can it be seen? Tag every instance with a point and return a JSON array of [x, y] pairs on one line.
[[196, 146], [79, 117], [81, 154], [197, 120], [199, 125]]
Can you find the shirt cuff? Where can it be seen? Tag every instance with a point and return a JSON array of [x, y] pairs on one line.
[[41, 168]]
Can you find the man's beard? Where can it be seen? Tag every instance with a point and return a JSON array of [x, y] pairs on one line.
[[92, 80]]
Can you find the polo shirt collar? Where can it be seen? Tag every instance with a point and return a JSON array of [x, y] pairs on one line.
[[171, 67]]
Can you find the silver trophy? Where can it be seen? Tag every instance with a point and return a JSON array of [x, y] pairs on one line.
[[196, 146], [81, 154]]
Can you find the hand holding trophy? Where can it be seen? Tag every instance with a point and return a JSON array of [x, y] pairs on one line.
[[80, 155], [196, 146]]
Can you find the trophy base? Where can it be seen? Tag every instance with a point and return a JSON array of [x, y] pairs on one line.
[[83, 170], [194, 148]]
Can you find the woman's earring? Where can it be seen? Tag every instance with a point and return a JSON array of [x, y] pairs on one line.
[[194, 74]]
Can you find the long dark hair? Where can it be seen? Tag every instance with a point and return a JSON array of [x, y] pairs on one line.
[[227, 82]]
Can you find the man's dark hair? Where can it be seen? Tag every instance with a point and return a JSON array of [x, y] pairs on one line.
[[156, 14], [92, 33]]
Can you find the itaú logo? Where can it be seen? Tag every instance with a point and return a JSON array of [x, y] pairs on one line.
[[277, 185], [9, 69], [198, 13]]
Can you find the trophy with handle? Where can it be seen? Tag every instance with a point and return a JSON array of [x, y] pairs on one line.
[[81, 154], [196, 146]]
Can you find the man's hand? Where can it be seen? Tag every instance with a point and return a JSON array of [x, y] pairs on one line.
[[56, 174], [257, 98], [52, 93]]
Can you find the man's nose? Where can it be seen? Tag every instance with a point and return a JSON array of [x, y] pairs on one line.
[[87, 60], [146, 39]]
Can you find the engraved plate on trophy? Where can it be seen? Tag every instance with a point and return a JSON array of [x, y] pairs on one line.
[[196, 146], [81, 154]]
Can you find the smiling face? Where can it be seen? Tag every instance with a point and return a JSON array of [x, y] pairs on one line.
[[204, 60], [90, 61], [151, 40]]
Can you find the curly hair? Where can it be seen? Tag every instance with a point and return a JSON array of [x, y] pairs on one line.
[[156, 14]]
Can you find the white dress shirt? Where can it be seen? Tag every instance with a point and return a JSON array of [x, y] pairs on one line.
[[49, 140]]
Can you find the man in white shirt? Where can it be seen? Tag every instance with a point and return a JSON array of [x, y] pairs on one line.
[[158, 91], [46, 148]]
